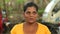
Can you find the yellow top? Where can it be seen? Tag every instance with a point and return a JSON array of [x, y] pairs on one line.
[[18, 29]]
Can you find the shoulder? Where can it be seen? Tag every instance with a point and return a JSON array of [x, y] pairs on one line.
[[18, 25], [42, 26], [16, 28]]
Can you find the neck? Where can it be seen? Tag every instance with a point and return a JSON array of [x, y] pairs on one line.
[[30, 24]]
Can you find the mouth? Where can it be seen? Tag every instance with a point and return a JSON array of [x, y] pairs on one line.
[[31, 19]]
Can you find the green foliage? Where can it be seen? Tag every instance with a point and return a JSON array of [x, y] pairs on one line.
[[10, 8], [1, 4], [7, 0], [40, 11], [19, 1]]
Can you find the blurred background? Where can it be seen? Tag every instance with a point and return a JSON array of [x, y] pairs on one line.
[[11, 12], [14, 8]]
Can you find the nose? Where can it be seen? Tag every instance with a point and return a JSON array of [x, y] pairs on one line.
[[31, 15]]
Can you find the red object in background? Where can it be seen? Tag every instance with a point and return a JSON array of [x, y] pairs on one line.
[[1, 24]]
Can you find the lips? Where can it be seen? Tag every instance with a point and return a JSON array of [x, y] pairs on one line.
[[31, 19]]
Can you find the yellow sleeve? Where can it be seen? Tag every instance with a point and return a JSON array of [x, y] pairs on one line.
[[47, 31], [13, 31]]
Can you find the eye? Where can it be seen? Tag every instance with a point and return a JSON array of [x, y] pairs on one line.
[[34, 12], [27, 12]]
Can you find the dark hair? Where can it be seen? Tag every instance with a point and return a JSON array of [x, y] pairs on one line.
[[30, 4]]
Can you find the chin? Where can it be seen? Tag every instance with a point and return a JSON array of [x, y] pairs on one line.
[[31, 22]]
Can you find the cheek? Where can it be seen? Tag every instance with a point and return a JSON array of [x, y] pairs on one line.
[[36, 16], [26, 16]]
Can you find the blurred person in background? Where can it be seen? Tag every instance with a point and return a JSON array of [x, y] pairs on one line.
[[3, 26], [1, 23], [30, 26]]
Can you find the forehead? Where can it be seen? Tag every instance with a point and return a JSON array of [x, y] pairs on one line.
[[31, 8]]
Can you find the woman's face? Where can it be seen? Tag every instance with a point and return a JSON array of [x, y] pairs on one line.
[[30, 14]]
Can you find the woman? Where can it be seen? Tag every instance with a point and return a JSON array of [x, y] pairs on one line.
[[30, 26]]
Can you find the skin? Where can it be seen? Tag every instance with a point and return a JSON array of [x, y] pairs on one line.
[[30, 25]]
